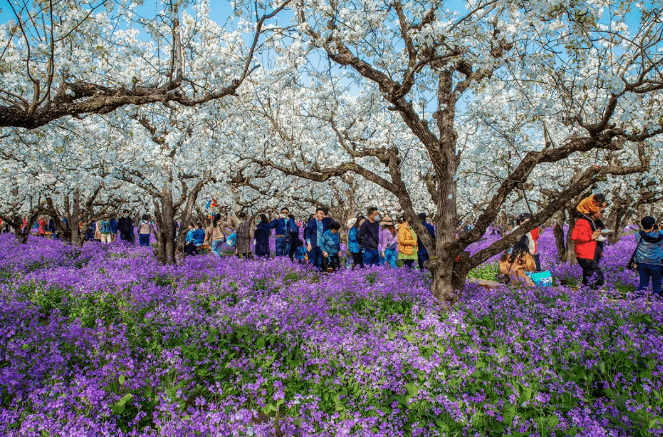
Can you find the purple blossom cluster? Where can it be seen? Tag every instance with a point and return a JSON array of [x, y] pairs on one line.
[[104, 341]]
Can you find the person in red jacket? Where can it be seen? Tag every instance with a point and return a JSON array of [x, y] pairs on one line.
[[42, 227], [585, 233]]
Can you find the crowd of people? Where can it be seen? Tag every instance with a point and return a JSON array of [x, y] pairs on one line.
[[589, 235], [375, 240], [371, 240]]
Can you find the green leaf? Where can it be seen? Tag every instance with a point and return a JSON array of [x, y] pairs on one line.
[[260, 343], [122, 379], [442, 425], [480, 364], [412, 389], [602, 367], [45, 433], [268, 408], [509, 413], [553, 421], [526, 395], [125, 399]]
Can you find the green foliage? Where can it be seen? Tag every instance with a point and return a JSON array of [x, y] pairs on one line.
[[486, 272]]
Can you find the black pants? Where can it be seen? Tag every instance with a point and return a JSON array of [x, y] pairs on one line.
[[409, 263], [191, 249], [589, 269], [357, 260], [335, 263], [537, 261]]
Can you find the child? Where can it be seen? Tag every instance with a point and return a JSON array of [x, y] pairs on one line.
[[331, 246]]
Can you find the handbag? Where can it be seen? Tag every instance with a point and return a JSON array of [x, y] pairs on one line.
[[541, 279]]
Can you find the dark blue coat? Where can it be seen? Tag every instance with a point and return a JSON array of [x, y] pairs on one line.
[[420, 245], [311, 230], [281, 226], [262, 239]]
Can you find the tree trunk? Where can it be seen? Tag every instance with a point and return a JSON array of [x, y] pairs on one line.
[[570, 255], [165, 222], [558, 232]]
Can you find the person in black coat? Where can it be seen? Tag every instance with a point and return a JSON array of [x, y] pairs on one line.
[[262, 233], [126, 227]]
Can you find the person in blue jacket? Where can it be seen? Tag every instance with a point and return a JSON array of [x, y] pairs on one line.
[[283, 226], [261, 235], [422, 252], [313, 233], [295, 241], [114, 228], [331, 247], [353, 243], [194, 239], [649, 254]]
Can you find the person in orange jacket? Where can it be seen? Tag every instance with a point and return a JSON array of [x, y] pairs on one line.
[[585, 233]]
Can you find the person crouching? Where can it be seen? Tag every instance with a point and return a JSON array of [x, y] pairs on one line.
[[331, 246], [516, 261]]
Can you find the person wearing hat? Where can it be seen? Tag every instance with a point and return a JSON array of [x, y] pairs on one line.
[[585, 235], [422, 252], [649, 254], [389, 242], [353, 244]]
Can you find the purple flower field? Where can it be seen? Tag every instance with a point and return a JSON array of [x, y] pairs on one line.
[[104, 341]]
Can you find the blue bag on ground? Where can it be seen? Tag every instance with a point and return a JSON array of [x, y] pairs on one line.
[[232, 238], [541, 279]]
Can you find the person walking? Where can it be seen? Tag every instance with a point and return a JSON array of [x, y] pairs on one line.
[[331, 247], [422, 252], [114, 228], [389, 242], [295, 241], [214, 235], [407, 242], [105, 231], [126, 227], [51, 228], [313, 233], [369, 238], [262, 234], [353, 244], [41, 231], [244, 237], [144, 230], [649, 255], [281, 225], [97, 231], [584, 235]]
